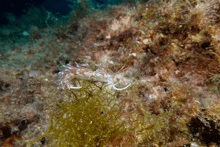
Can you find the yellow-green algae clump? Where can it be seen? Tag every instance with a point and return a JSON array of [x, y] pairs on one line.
[[89, 116]]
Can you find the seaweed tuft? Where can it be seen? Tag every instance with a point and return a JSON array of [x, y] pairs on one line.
[[89, 116]]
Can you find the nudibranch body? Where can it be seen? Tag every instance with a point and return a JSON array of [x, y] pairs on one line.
[[100, 75]]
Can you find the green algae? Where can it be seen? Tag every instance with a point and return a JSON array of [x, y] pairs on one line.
[[89, 116]]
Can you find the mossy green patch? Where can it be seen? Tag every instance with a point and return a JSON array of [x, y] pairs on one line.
[[89, 116]]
